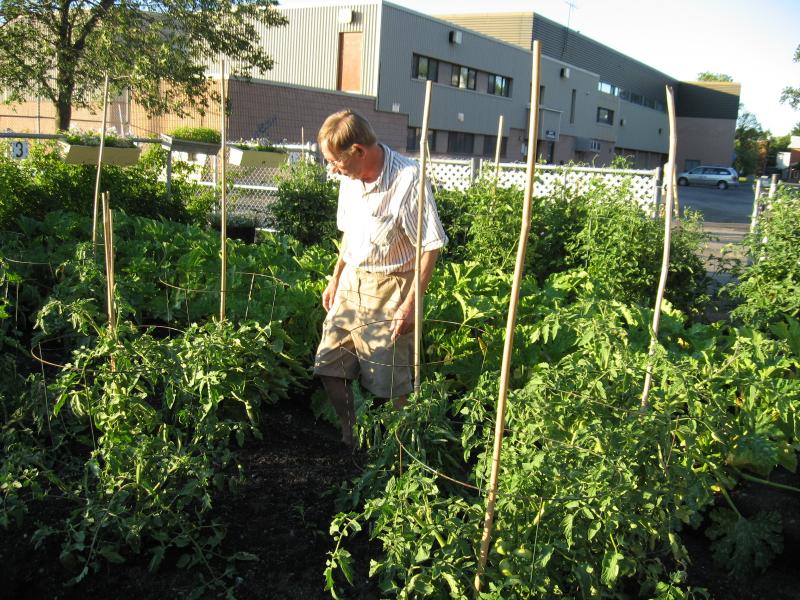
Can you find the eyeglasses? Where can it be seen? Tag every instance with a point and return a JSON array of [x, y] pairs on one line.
[[345, 156]]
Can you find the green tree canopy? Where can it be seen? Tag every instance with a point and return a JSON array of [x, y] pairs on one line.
[[748, 135], [791, 95], [156, 49], [709, 76]]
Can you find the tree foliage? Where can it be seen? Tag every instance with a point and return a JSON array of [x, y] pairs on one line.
[[156, 49], [709, 76], [791, 95], [746, 143]]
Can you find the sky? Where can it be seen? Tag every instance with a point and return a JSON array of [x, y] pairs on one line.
[[753, 42]]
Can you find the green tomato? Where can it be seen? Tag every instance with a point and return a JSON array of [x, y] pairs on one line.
[[523, 552], [507, 567], [503, 547]]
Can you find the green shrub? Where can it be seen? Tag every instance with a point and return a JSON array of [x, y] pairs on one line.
[[306, 205], [44, 183], [770, 287]]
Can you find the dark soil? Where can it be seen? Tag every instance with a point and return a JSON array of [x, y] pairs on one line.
[[281, 513]]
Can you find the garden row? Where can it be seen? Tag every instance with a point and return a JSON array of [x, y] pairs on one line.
[[134, 432]]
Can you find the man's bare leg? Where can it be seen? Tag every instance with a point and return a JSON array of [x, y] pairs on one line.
[[340, 395]]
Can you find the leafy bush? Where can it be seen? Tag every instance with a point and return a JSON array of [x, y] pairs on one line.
[[770, 287], [602, 231], [306, 205], [44, 183]]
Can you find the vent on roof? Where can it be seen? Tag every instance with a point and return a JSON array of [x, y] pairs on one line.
[[564, 72], [455, 37]]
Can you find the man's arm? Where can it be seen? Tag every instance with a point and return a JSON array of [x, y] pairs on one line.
[[403, 319], [329, 295]]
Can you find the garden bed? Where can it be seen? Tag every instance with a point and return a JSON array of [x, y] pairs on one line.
[[281, 514]]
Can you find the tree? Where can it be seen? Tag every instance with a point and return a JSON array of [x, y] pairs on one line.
[[796, 130], [709, 76], [791, 95], [157, 49], [747, 142]]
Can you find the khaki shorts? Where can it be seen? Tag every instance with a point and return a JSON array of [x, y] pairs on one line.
[[357, 337]]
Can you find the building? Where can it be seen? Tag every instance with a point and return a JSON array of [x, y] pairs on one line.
[[375, 57]]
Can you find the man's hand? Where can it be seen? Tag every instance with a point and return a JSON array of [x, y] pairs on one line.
[[329, 295], [403, 320]]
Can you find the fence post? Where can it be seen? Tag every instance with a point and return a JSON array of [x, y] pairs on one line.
[[474, 169]]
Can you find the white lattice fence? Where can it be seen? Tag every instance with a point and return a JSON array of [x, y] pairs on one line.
[[552, 180], [451, 174]]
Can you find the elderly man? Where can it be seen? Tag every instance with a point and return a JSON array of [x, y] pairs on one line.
[[371, 298]]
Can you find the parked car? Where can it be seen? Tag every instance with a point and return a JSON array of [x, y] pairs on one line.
[[720, 177]]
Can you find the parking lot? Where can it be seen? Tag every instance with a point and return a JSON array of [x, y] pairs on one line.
[[734, 205]]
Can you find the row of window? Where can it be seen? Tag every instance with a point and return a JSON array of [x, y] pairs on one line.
[[458, 142], [629, 96], [427, 68]]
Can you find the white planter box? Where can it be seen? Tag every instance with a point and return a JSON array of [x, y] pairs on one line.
[[189, 146], [87, 155], [256, 158]]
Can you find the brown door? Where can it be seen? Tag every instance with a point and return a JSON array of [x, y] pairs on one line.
[[349, 77]]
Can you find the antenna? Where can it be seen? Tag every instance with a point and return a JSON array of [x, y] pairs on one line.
[[572, 6]]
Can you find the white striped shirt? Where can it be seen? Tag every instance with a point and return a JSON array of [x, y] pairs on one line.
[[379, 219]]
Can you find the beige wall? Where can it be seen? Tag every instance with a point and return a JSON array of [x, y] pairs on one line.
[[708, 140]]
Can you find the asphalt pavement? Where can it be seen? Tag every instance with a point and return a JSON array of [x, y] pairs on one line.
[[726, 216]]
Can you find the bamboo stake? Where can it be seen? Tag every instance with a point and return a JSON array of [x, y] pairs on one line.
[[754, 216], [418, 299], [676, 204], [108, 245], [497, 150], [223, 278], [99, 164], [662, 282], [512, 318]]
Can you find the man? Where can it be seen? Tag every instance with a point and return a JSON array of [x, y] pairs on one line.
[[370, 298]]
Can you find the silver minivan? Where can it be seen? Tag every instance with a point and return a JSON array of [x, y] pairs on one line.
[[720, 177]]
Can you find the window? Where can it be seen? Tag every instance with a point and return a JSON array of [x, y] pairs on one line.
[[605, 115], [463, 77], [572, 106], [412, 139], [607, 88], [499, 85], [541, 95], [595, 146], [426, 68], [490, 145], [459, 142]]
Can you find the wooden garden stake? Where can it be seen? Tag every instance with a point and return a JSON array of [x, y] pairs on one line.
[[223, 277], [99, 164], [662, 281], [754, 216], [418, 299], [512, 318], [497, 150], [108, 246]]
